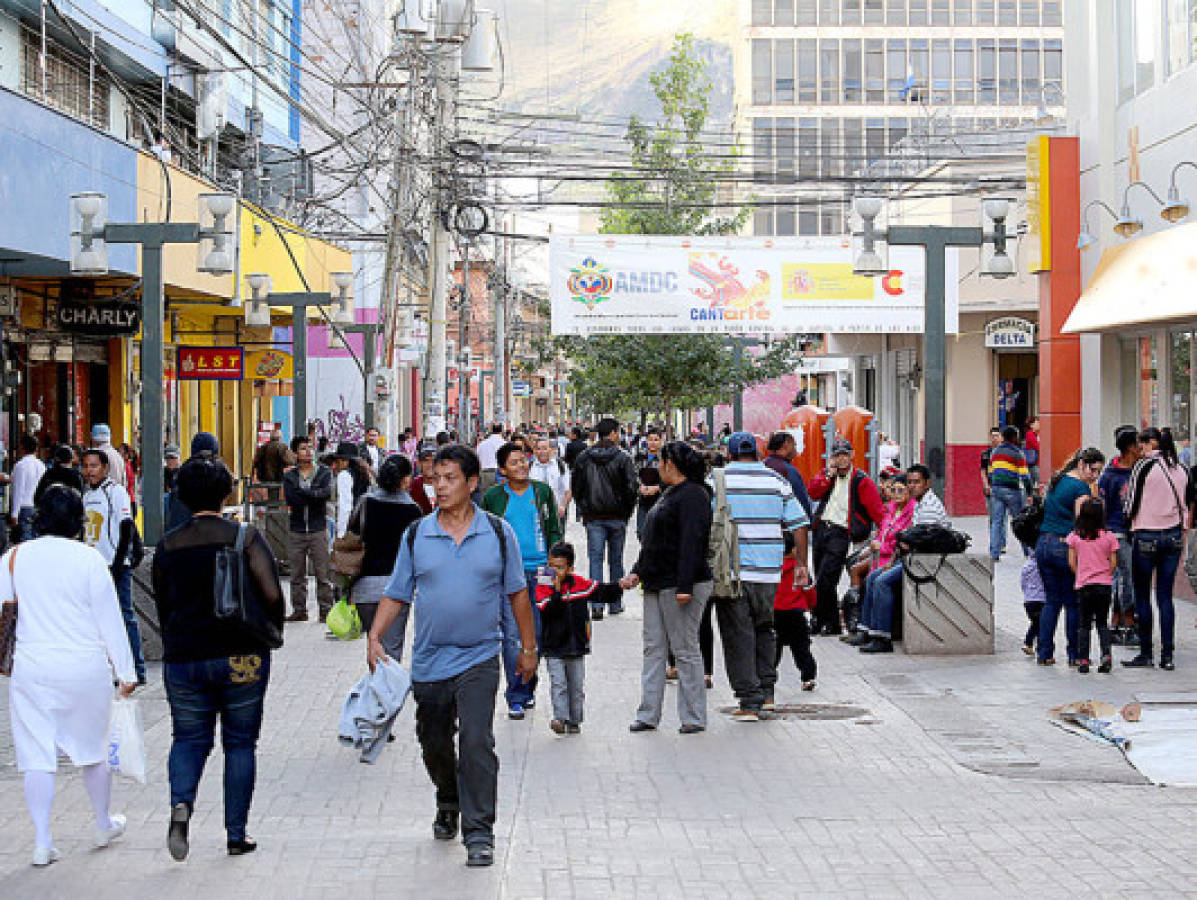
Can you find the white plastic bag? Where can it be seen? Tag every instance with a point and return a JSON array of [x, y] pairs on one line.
[[126, 742]]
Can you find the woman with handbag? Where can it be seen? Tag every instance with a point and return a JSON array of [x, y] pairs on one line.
[[214, 665], [1067, 490], [379, 520], [69, 637], [1157, 505]]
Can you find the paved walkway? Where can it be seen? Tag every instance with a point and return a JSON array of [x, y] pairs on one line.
[[944, 779]]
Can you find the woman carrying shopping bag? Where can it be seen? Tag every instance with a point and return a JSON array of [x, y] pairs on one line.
[[70, 639], [214, 667]]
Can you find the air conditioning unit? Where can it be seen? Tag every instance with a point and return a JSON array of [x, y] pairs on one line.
[[10, 303], [383, 384]]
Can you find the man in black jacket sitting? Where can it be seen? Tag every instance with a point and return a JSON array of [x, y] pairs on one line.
[[307, 487]]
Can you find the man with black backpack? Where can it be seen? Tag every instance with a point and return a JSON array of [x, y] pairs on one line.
[[848, 507], [604, 487]]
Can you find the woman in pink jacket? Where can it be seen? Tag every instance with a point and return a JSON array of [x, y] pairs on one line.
[[899, 513]]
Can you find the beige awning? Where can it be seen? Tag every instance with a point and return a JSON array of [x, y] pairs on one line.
[[1144, 282]]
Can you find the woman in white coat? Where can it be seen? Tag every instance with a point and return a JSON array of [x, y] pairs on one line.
[[70, 638]]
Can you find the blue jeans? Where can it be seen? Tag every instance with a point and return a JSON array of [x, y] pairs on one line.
[[1124, 592], [124, 593], [518, 690], [1003, 501], [1059, 585], [611, 534], [882, 588], [233, 688], [25, 517], [1156, 553]]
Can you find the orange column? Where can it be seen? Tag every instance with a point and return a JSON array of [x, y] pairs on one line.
[[1059, 290]]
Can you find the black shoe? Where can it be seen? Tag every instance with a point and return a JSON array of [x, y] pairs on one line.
[[1106, 665], [615, 610], [878, 645], [1167, 664], [690, 729], [596, 615], [859, 640], [1083, 667], [638, 726], [828, 630], [1139, 662], [530, 703], [444, 826], [176, 833], [478, 855], [243, 846]]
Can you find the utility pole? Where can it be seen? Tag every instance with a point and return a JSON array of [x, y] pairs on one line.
[[435, 392], [500, 353], [463, 337]]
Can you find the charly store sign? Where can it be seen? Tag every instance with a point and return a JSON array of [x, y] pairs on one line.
[[101, 318]]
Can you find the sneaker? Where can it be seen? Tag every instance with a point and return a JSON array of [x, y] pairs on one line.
[[1049, 661], [515, 711], [746, 715], [596, 615], [242, 847], [1083, 667], [671, 673], [530, 704], [1106, 665], [300, 615], [1028, 649], [878, 645], [859, 639], [105, 836], [690, 729], [616, 609], [557, 726], [768, 705], [1141, 661], [444, 826], [43, 856], [809, 685], [1167, 664], [176, 833], [638, 726], [573, 728], [479, 855]]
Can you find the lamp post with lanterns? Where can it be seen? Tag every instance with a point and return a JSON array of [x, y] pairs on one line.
[[257, 312], [91, 233]]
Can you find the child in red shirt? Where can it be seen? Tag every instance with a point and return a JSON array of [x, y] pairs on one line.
[[790, 606], [1093, 556]]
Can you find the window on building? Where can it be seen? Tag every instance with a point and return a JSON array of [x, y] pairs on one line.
[[986, 72], [851, 10], [964, 79], [897, 132], [918, 12], [762, 72], [808, 221], [1182, 385], [1007, 12], [808, 71], [895, 12], [808, 148], [830, 150], [1052, 14], [874, 12], [1180, 24], [984, 12], [895, 52], [831, 219], [941, 71], [874, 140], [1008, 71], [69, 83], [762, 222], [787, 221], [762, 150], [783, 12], [1032, 80], [783, 71], [1028, 13], [829, 71], [853, 77], [762, 12], [805, 12], [829, 12], [920, 64], [784, 150], [962, 12], [853, 146], [1053, 69], [941, 12], [1138, 25], [874, 71]]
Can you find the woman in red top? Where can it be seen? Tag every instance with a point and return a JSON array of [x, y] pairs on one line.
[[1031, 448]]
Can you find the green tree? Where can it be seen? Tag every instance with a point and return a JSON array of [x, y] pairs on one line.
[[671, 187]]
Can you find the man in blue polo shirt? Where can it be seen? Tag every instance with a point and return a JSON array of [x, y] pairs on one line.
[[458, 568]]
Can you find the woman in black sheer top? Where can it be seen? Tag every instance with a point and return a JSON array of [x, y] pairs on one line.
[[212, 667]]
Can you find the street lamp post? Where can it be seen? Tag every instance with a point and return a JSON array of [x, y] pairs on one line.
[[935, 240], [257, 312], [370, 344], [90, 235]]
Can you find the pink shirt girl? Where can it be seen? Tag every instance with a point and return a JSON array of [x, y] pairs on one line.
[[1093, 558]]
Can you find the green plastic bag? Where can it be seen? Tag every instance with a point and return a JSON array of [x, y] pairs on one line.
[[343, 621]]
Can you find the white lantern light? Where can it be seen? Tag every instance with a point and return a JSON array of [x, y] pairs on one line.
[[257, 310], [343, 304], [870, 252], [89, 251], [216, 246]]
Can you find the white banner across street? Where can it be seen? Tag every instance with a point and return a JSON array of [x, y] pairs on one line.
[[633, 284]]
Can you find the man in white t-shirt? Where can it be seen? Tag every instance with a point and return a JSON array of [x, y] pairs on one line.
[[109, 527], [25, 475], [101, 437], [547, 467], [488, 457]]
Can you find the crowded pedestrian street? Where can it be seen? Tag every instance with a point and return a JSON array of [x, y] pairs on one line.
[[897, 777]]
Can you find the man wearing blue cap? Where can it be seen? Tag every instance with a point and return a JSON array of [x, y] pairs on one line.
[[763, 506], [101, 439]]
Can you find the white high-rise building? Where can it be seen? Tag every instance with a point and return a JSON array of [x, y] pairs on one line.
[[825, 88]]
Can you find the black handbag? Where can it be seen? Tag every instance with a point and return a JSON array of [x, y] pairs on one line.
[[930, 540], [233, 596], [1027, 523]]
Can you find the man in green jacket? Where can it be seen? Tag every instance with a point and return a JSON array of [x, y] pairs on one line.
[[531, 510]]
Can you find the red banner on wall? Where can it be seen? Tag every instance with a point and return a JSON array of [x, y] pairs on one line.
[[211, 363]]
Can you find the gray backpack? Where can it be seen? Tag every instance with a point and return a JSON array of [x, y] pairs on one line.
[[723, 551]]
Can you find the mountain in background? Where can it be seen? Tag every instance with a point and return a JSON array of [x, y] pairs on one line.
[[593, 58]]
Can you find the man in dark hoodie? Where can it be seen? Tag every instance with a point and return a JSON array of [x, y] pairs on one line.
[[604, 486], [1112, 488]]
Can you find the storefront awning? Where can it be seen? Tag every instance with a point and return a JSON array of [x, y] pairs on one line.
[[1145, 282]]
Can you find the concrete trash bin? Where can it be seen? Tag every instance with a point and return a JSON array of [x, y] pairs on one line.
[[952, 614]]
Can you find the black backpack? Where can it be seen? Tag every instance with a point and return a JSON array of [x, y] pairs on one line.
[[1027, 523], [930, 540]]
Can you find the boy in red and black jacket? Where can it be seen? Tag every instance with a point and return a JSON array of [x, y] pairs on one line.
[[790, 606], [564, 600]]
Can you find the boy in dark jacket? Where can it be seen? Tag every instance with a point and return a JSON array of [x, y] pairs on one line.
[[564, 603]]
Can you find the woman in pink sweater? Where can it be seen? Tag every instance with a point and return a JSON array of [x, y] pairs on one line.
[[1157, 503], [899, 513]]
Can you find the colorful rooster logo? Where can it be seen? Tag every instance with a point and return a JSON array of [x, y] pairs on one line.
[[589, 283], [724, 288]]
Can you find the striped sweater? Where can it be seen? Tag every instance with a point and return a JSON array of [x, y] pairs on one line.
[[1008, 468], [763, 506]]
